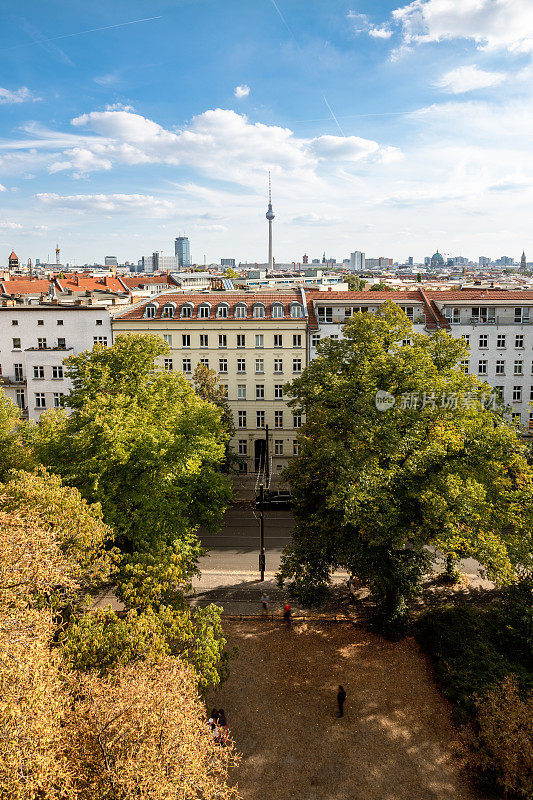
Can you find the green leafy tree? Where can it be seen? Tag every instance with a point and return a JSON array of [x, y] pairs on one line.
[[355, 284], [229, 272], [208, 386], [13, 454], [380, 287], [373, 489]]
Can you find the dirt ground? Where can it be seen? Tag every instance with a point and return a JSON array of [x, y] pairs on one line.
[[395, 742]]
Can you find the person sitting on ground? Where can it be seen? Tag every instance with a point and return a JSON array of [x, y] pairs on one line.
[[214, 715], [223, 727]]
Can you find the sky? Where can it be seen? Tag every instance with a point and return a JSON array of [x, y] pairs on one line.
[[388, 128]]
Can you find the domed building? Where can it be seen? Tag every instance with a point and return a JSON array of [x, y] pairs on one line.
[[437, 260]]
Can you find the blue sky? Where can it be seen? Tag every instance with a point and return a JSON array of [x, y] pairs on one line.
[[392, 128]]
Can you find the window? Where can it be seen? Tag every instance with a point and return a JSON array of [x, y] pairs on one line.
[[19, 375], [167, 363], [325, 314], [222, 310], [41, 343], [516, 417], [38, 373], [500, 368], [296, 364], [408, 311], [57, 399], [258, 310], [277, 310], [297, 420], [405, 342], [40, 322], [334, 336], [278, 365], [243, 467], [203, 311], [167, 337], [99, 322], [297, 310], [149, 311], [519, 341], [278, 391], [453, 315], [259, 340], [260, 419], [482, 366], [20, 398], [499, 391], [204, 362], [278, 419], [62, 343], [260, 391], [518, 367], [295, 447], [483, 341], [297, 340], [521, 315], [241, 418], [243, 447], [259, 365], [500, 340], [186, 365], [531, 393], [464, 366], [222, 340], [100, 340], [186, 311], [517, 394], [466, 337], [240, 311], [241, 365], [14, 322], [241, 391], [241, 340], [315, 338], [224, 389], [16, 344], [483, 314], [168, 310], [222, 364], [57, 373], [185, 339], [59, 321], [278, 447], [40, 401]]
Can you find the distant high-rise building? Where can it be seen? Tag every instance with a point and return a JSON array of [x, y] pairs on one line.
[[484, 261], [410, 261], [305, 259], [427, 261], [111, 261], [13, 260], [227, 262], [182, 251], [357, 261], [523, 262]]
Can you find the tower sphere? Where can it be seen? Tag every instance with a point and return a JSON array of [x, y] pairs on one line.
[[270, 214]]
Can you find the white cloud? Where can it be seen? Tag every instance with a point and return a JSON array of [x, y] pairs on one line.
[[347, 148], [361, 24], [22, 95], [490, 23], [119, 107], [2, 188], [242, 91], [138, 204], [468, 78], [10, 226]]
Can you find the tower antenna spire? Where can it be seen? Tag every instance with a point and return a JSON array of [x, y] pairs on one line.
[[269, 188], [270, 216]]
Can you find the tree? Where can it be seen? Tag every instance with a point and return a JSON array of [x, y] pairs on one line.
[[373, 489], [380, 287], [13, 455], [229, 272], [144, 445], [207, 385], [355, 284]]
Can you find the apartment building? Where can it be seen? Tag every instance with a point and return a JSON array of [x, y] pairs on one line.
[[35, 338], [498, 326], [255, 342]]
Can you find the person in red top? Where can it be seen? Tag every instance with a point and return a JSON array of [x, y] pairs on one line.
[[287, 615]]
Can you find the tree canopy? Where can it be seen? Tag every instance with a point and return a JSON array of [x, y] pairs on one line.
[[433, 466]]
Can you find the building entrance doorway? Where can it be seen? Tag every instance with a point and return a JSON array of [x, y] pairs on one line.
[[260, 454]]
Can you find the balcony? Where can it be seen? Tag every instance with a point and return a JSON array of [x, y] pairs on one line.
[[5, 381], [498, 320]]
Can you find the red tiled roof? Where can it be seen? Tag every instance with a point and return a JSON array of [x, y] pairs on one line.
[[146, 280], [214, 299], [77, 283], [24, 286], [13, 254]]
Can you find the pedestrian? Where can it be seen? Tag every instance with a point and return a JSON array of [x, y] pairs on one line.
[[287, 615], [351, 594], [264, 601], [341, 697]]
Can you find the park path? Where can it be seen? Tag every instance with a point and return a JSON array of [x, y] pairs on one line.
[[396, 741]]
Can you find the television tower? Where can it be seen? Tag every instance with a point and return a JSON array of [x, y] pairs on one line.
[[270, 216], [57, 255]]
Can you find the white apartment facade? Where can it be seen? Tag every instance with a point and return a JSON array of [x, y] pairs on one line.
[[35, 338]]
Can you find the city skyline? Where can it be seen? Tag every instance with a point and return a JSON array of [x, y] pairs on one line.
[[387, 128]]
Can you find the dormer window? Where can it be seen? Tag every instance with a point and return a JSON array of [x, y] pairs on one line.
[[222, 310], [150, 311], [297, 310], [241, 311], [168, 310], [186, 311], [259, 310], [204, 310], [277, 310]]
